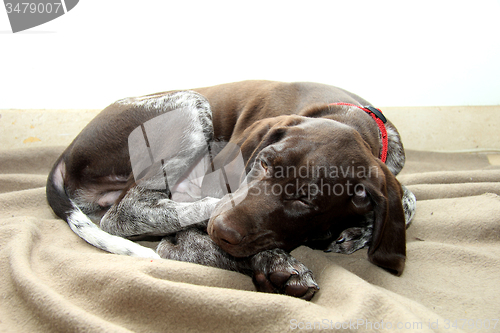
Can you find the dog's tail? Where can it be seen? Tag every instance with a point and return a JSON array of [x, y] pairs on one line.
[[82, 225]]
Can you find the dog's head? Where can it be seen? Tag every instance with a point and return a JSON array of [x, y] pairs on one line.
[[307, 177]]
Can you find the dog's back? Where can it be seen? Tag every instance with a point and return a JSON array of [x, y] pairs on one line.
[[235, 106]]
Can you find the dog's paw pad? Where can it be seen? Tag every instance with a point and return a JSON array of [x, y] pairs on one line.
[[279, 278], [278, 272], [301, 286], [262, 283]]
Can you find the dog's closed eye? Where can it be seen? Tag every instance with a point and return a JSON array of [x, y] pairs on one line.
[[303, 201]]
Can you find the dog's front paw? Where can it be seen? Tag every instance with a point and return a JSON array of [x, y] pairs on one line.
[[276, 271], [351, 240]]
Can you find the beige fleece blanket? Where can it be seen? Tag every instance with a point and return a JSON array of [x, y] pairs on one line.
[[52, 281]]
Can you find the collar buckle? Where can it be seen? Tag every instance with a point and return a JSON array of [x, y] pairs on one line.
[[377, 113]]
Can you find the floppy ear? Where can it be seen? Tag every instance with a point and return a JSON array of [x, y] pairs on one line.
[[388, 246], [264, 133]]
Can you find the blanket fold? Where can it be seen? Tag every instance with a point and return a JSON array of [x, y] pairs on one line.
[[52, 281]]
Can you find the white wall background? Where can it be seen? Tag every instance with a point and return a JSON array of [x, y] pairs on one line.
[[393, 53]]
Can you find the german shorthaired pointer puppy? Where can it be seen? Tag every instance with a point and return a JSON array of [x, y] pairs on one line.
[[318, 167]]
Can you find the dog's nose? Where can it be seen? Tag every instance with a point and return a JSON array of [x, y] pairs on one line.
[[222, 232]]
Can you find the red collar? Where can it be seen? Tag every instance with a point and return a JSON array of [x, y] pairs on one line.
[[380, 120]]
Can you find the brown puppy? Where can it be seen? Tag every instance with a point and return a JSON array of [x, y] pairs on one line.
[[312, 175]]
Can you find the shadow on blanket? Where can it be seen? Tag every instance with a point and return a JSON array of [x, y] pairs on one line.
[[51, 280]]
